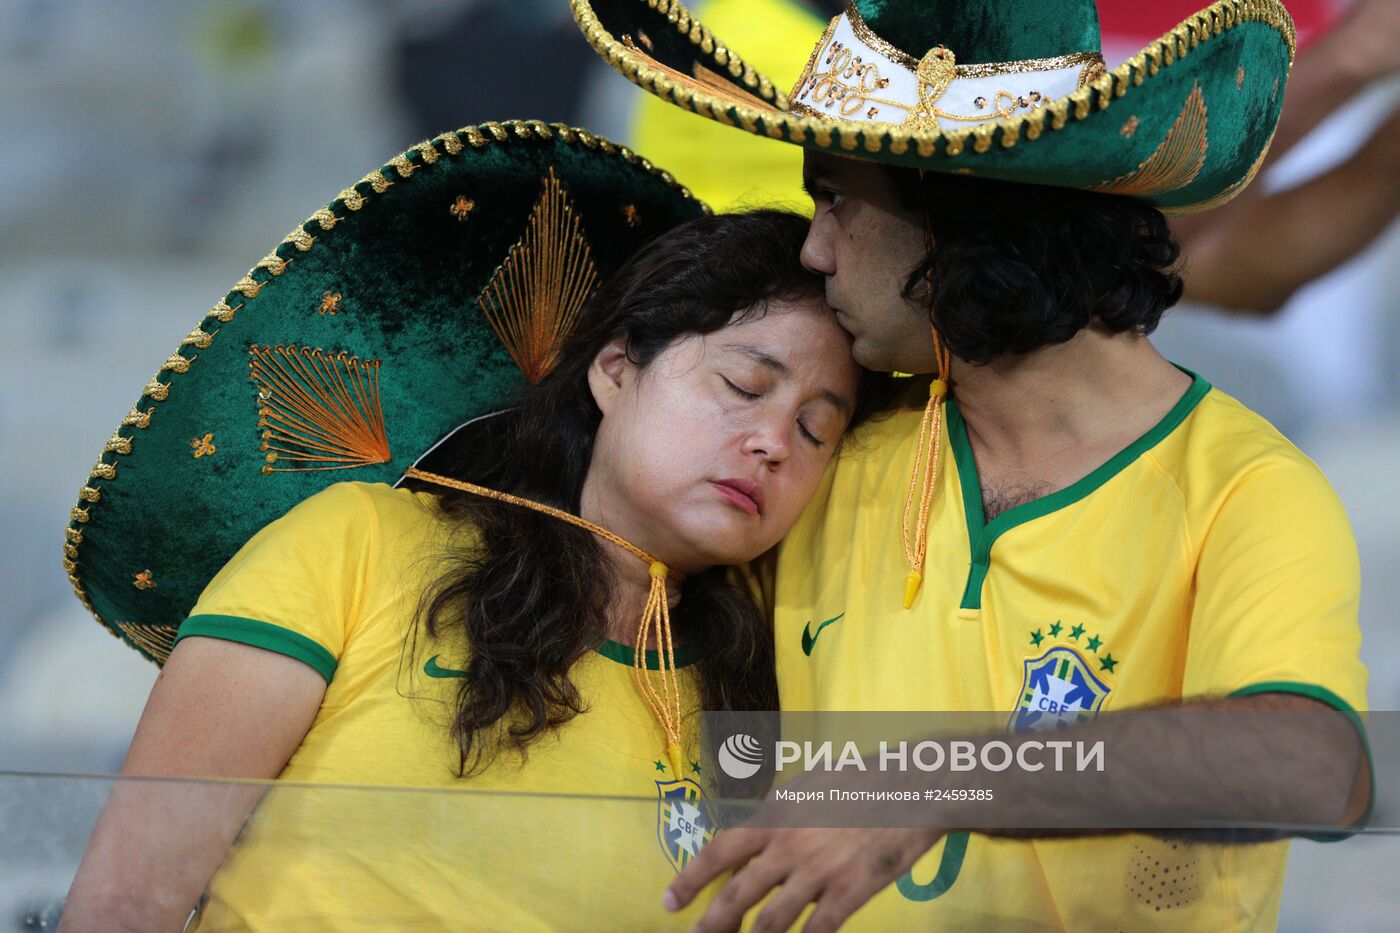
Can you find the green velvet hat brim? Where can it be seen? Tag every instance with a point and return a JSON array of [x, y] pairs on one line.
[[391, 271], [1219, 75]]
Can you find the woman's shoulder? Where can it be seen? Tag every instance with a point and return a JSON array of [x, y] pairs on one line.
[[378, 502], [376, 516]]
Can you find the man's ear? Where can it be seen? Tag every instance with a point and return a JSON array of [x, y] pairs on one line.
[[606, 371]]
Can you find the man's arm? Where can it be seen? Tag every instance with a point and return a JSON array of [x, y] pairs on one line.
[[1166, 767], [1258, 252], [1251, 255]]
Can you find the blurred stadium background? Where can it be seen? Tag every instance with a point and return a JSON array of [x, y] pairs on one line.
[[155, 149]]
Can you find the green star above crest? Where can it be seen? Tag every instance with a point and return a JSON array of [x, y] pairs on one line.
[[695, 766], [1076, 632], [1108, 663], [660, 766], [1094, 643], [1055, 629], [1037, 638]]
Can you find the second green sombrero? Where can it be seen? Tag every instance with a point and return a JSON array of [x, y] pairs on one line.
[[1009, 89], [419, 298]]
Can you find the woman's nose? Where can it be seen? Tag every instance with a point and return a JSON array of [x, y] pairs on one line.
[[771, 441]]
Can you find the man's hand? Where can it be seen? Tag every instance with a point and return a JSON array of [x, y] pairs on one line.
[[836, 869], [1279, 762]]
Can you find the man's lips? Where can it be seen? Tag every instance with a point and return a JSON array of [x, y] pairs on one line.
[[744, 493], [842, 318]]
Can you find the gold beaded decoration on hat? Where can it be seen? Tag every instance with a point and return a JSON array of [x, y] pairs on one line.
[[665, 702]]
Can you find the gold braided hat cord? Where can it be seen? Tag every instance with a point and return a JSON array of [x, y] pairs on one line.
[[665, 703], [926, 463], [927, 455]]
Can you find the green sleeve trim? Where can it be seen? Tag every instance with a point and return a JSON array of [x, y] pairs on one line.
[[261, 635], [1327, 697], [626, 654], [982, 534]]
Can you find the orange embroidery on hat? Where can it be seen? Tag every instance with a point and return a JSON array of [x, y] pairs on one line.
[[534, 297], [462, 207], [203, 446], [1177, 160], [143, 580], [156, 640], [317, 410]]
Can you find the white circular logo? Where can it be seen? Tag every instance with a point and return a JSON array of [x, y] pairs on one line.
[[741, 756]]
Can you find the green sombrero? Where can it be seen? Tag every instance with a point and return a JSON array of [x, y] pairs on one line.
[[421, 297], [1008, 89]]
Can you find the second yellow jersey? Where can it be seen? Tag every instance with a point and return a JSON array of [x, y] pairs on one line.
[[1209, 558]]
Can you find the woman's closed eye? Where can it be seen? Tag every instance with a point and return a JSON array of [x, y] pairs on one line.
[[753, 396], [740, 391]]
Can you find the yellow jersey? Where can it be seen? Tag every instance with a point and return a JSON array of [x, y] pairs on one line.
[[369, 826], [1209, 558]]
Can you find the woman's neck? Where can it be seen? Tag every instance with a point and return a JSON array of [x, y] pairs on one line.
[[629, 579], [629, 588]]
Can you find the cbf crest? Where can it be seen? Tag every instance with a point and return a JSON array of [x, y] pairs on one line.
[[684, 821], [1061, 687]]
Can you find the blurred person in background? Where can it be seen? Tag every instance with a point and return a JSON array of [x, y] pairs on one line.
[[1253, 254]]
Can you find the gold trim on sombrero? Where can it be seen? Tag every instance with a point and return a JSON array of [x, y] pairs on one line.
[[1099, 93], [869, 37], [715, 49], [301, 239], [855, 75], [1077, 60], [704, 80]]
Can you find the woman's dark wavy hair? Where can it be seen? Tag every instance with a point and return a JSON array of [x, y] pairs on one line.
[[1017, 267], [531, 598]]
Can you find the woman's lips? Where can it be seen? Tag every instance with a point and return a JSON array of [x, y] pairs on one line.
[[743, 493]]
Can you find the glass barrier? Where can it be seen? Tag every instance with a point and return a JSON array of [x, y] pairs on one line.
[[355, 858]]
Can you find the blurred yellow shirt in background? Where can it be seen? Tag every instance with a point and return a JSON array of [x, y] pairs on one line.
[[729, 170]]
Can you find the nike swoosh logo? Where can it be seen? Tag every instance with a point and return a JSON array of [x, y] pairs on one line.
[[432, 669], [809, 637]]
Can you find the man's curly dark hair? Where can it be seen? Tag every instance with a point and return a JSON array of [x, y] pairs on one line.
[[1017, 267]]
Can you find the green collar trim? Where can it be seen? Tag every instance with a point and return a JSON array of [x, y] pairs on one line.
[[625, 654], [983, 534]]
